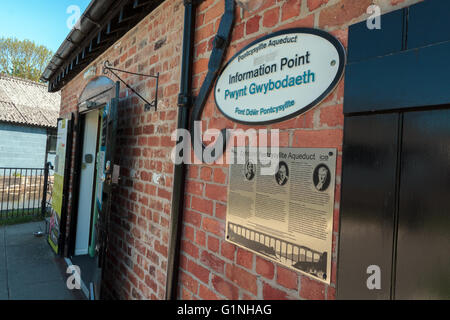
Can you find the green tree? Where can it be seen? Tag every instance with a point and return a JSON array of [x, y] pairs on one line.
[[23, 59]]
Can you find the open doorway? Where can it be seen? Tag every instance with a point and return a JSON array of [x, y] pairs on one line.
[[94, 167], [91, 168], [87, 183]]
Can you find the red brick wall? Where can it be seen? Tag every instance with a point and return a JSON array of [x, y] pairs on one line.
[[138, 245], [210, 267]]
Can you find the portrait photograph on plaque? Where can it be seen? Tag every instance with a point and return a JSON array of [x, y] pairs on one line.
[[287, 216]]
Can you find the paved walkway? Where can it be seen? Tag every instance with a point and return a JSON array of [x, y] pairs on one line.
[[29, 270]]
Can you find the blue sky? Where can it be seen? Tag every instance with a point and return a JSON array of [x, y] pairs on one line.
[[43, 21]]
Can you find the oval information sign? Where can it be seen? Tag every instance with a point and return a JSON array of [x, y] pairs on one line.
[[280, 76]]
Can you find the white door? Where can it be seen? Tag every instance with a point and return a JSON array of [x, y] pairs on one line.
[[86, 183]]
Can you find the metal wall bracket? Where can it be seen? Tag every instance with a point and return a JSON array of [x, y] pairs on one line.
[[220, 44], [107, 67]]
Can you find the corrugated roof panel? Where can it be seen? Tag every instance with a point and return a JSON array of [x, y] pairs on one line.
[[27, 102], [9, 113]]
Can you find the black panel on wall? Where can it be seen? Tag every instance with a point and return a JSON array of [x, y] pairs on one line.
[[403, 65], [395, 182], [368, 204], [423, 245], [428, 23], [413, 78], [367, 43]]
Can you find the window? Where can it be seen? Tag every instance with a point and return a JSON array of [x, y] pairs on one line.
[[52, 141]]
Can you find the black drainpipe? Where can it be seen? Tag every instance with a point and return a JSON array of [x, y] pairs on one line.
[[184, 104]]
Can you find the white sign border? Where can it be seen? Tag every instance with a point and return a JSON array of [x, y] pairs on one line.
[[318, 32]]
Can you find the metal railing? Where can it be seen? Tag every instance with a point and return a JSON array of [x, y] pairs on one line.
[[24, 192]]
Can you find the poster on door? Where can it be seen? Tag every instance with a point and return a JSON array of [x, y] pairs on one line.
[[285, 216], [58, 187]]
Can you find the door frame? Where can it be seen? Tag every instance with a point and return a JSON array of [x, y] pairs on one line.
[[94, 113], [79, 132]]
